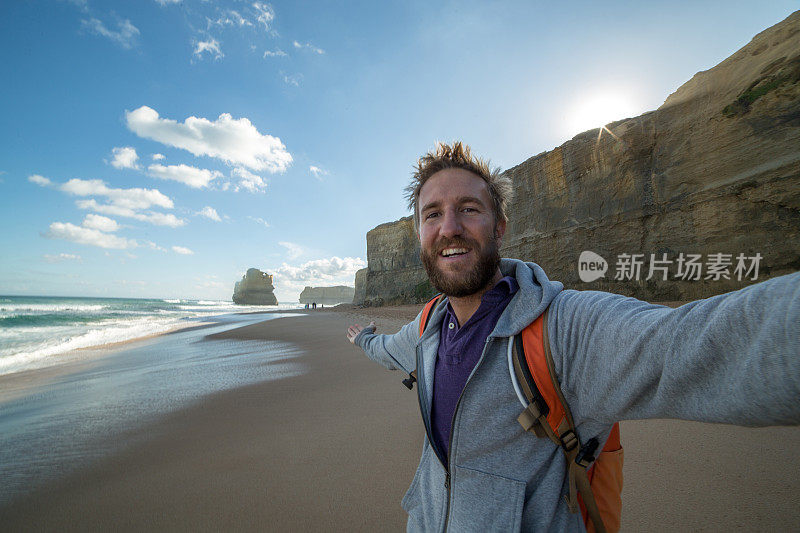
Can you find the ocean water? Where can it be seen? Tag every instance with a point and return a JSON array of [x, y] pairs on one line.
[[78, 416], [36, 330]]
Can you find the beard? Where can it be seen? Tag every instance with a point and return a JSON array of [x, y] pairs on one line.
[[456, 284]]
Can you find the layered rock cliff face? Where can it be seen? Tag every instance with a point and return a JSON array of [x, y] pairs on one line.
[[394, 270], [360, 293], [327, 295], [711, 178], [255, 288]]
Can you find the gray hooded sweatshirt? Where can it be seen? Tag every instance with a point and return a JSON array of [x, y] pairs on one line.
[[733, 358]]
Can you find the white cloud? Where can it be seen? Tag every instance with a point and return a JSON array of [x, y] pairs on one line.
[[333, 271], [274, 53], [293, 79], [264, 14], [309, 46], [168, 2], [161, 219], [211, 46], [158, 219], [260, 221], [157, 157], [89, 236], [293, 251], [153, 246], [126, 198], [210, 212], [230, 17], [181, 250], [124, 157], [248, 180], [39, 180], [197, 178], [235, 141], [125, 36], [61, 257], [100, 223], [318, 172]]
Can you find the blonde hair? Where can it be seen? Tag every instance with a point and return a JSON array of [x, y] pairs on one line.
[[458, 155]]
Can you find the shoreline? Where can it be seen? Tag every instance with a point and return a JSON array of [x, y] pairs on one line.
[[16, 384]]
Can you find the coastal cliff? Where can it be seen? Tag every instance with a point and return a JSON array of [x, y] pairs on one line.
[[710, 179], [255, 288], [360, 292], [327, 295], [394, 270]]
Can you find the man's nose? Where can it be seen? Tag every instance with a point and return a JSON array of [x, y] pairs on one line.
[[451, 225]]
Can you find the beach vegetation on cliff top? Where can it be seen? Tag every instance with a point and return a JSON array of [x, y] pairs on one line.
[[789, 74]]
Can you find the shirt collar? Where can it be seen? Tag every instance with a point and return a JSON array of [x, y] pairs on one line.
[[503, 290]]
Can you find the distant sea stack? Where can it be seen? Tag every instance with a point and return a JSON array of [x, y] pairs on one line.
[[327, 295], [711, 174], [255, 288]]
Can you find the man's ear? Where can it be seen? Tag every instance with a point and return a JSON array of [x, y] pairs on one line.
[[500, 229]]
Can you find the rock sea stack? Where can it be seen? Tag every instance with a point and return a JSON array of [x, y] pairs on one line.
[[255, 288], [327, 295]]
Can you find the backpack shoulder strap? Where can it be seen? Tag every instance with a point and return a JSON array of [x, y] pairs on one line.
[[426, 312], [548, 414], [532, 348], [423, 323]]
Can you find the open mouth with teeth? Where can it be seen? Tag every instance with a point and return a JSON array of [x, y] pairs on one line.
[[453, 252]]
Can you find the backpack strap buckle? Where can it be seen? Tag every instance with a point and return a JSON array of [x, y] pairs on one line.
[[410, 380], [569, 440], [586, 455]]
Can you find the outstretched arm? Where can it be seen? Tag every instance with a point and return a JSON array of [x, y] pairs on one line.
[[396, 351], [733, 358]]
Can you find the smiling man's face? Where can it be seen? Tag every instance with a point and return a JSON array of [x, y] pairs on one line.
[[459, 237]]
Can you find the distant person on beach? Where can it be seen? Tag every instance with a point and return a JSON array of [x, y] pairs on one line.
[[733, 359]]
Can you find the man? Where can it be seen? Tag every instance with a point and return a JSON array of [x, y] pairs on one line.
[[733, 358]]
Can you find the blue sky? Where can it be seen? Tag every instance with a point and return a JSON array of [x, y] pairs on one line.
[[159, 149]]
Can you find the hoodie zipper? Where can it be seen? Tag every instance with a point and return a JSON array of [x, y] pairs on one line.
[[426, 419]]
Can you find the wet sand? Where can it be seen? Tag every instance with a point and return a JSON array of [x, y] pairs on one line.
[[335, 448]]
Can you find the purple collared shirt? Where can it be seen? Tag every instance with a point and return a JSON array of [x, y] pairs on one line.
[[460, 349]]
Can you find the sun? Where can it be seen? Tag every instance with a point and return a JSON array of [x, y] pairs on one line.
[[598, 109]]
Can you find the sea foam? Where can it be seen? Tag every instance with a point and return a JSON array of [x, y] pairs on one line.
[[36, 331]]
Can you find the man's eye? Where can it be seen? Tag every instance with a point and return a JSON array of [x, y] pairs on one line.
[[431, 215], [470, 210]]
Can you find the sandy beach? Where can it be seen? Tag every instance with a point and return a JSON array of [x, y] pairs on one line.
[[335, 447]]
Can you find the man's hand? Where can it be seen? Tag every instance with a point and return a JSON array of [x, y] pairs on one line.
[[355, 329]]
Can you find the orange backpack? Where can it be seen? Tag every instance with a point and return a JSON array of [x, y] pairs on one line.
[[595, 484]]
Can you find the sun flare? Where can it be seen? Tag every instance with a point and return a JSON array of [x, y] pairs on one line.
[[597, 110]]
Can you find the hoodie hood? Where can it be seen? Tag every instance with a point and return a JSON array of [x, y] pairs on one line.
[[535, 293]]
